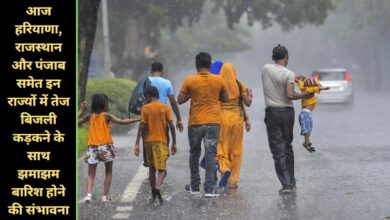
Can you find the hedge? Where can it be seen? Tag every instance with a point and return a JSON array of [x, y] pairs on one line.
[[118, 92]]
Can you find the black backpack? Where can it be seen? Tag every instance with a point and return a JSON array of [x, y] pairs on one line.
[[137, 99]]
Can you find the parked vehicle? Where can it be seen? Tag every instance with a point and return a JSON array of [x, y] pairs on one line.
[[340, 83]]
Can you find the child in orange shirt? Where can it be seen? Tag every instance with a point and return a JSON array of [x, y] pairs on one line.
[[100, 144], [154, 119], [308, 105]]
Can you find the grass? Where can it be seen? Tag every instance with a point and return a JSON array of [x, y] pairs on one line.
[[83, 140], [118, 92]]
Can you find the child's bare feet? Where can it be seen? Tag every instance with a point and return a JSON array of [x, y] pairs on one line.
[[159, 197], [154, 194]]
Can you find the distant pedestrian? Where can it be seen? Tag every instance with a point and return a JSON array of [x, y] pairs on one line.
[[278, 87], [308, 105], [205, 91], [155, 116], [100, 144]]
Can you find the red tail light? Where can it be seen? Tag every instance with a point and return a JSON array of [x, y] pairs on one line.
[[347, 76], [316, 76]]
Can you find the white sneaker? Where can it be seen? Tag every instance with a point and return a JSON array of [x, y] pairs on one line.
[[87, 198], [211, 193], [189, 189]]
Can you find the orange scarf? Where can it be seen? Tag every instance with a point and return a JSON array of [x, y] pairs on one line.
[[228, 74]]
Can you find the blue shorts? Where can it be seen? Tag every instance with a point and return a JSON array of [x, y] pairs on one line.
[[306, 122]]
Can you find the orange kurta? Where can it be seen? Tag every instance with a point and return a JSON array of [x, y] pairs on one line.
[[229, 150], [99, 130]]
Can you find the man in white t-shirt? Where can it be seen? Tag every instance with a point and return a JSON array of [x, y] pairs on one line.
[[278, 87]]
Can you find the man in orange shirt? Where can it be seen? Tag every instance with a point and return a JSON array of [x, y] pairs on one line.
[[205, 91], [154, 118]]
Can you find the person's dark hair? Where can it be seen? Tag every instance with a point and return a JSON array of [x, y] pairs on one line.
[[99, 102], [156, 67], [203, 60], [151, 92], [279, 52]]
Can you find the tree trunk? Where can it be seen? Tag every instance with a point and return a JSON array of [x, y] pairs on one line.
[[130, 56], [88, 11]]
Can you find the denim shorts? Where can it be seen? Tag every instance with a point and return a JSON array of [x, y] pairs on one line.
[[306, 122]]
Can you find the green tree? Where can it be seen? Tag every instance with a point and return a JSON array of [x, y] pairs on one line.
[[369, 14], [136, 27], [209, 34], [371, 22], [138, 23], [361, 31], [87, 16], [287, 13]]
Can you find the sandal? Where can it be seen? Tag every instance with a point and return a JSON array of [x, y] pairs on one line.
[[106, 199], [309, 147]]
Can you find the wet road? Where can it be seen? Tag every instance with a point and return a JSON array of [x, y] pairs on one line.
[[348, 177]]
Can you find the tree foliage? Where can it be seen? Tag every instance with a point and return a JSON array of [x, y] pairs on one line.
[[209, 34], [287, 13], [365, 14], [136, 25], [362, 31], [354, 36]]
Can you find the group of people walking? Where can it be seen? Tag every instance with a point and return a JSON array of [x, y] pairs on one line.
[[217, 117]]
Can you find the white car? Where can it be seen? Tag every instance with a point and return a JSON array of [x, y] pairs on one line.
[[339, 82]]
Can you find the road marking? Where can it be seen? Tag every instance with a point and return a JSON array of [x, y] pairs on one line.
[[132, 188], [130, 193], [124, 208], [121, 216]]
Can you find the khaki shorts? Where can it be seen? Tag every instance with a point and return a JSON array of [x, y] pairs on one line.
[[102, 153], [157, 154]]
